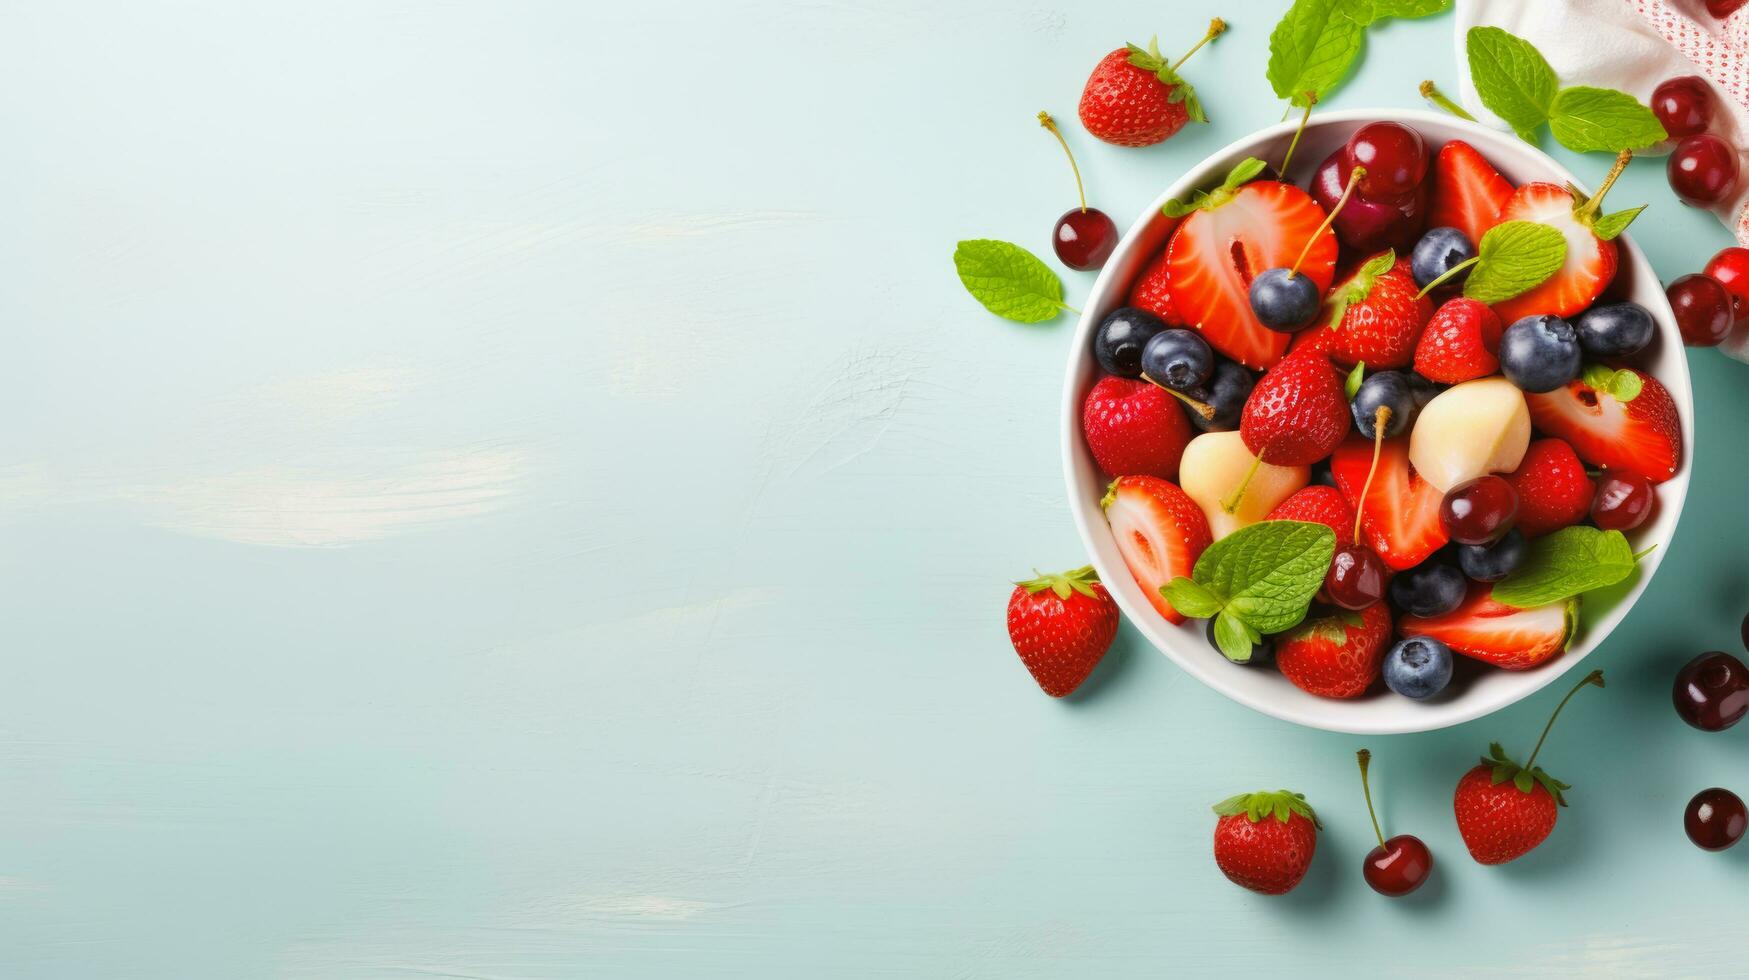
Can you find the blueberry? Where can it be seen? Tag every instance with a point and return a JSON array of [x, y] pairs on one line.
[[1179, 359], [1262, 654], [1321, 474], [1423, 390], [1539, 353], [1385, 389], [1493, 562], [1418, 667], [1614, 329], [1225, 393], [1118, 343], [1285, 302], [1437, 252], [1428, 589]]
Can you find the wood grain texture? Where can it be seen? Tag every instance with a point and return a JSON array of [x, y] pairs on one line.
[[510, 490]]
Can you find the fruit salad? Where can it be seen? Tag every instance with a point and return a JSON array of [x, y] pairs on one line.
[[1386, 420]]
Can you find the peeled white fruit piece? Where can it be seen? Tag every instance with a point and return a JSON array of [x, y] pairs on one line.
[[1214, 465], [1470, 430]]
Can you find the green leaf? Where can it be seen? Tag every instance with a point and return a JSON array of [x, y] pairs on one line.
[[1233, 638], [1611, 225], [1241, 174], [1512, 79], [1010, 281], [1312, 48], [1191, 599], [1623, 385], [1404, 8], [1358, 286], [1567, 563], [1585, 119], [1268, 571], [1355, 377], [1513, 257]]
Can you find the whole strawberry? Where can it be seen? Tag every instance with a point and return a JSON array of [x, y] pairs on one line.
[[1134, 428], [1338, 654], [1297, 413], [1504, 810], [1061, 625], [1554, 491], [1318, 504], [1135, 98], [1265, 841], [1382, 315], [1460, 342]]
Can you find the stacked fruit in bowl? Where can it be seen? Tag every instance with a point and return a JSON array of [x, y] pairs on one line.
[[1452, 371]]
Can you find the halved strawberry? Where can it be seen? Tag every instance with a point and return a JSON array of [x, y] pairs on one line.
[[1400, 515], [1642, 435], [1590, 261], [1332, 655], [1495, 633], [1153, 293], [1468, 193], [1318, 504], [1381, 315], [1160, 532], [1460, 343], [1235, 234]]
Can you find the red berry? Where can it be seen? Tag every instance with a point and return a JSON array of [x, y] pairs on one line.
[[1702, 170], [1332, 655], [1265, 841], [1703, 309], [1134, 428], [1084, 238], [1554, 491], [1127, 100], [1397, 866], [1297, 413], [1723, 8], [1394, 156], [1357, 577], [1715, 819], [1623, 501], [1061, 625], [1318, 504], [1684, 105], [1731, 268], [1479, 511]]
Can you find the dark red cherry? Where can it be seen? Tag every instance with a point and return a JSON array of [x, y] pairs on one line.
[[1399, 866], [1723, 8], [1731, 268], [1684, 105], [1479, 511], [1622, 502], [1703, 309], [1702, 170], [1084, 238], [1366, 224], [1394, 156], [1357, 577], [1715, 819], [1712, 691]]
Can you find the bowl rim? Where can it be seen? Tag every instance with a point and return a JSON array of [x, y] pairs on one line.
[[1090, 522]]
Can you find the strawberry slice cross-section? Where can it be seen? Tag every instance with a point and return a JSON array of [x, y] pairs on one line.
[[1160, 532], [1493, 632], [1399, 516]]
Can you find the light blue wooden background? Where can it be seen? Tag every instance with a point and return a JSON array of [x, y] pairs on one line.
[[515, 490]]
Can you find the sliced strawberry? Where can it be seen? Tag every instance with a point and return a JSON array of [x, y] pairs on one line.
[[1468, 193], [1318, 504], [1383, 316], [1153, 293], [1217, 250], [1495, 633], [1160, 532], [1333, 655], [1642, 435], [1590, 261], [1400, 516], [1460, 343], [1553, 489]]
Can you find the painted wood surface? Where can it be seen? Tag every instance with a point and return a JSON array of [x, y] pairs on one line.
[[511, 490]]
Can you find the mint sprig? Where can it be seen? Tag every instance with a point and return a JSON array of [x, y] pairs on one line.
[[1259, 579], [1514, 257], [1568, 563], [1516, 83], [1010, 281], [1242, 173], [1316, 42]]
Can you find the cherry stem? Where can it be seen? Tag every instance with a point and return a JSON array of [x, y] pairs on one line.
[[1447, 274], [1231, 504], [1353, 179], [1593, 205], [1431, 93], [1045, 120], [1380, 419], [1595, 677], [1216, 27], [1311, 100], [1365, 758], [1203, 409]]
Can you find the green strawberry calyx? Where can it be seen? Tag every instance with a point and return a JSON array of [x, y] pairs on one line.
[[1503, 769], [1242, 173], [1150, 60], [1358, 287], [1063, 584], [1281, 804], [1588, 208]]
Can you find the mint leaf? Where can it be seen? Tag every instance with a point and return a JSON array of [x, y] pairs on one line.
[[1567, 563], [1611, 225], [1623, 385], [1010, 281], [1351, 384], [1268, 572], [1312, 48], [1586, 119], [1404, 8], [1191, 599], [1236, 640], [1513, 80], [1513, 257]]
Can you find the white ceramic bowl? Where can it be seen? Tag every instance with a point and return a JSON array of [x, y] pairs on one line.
[[1473, 693]]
